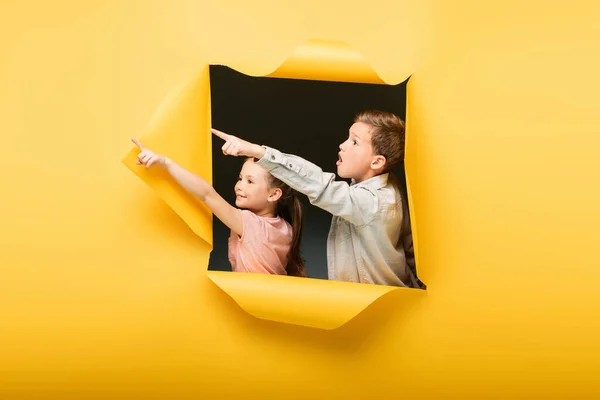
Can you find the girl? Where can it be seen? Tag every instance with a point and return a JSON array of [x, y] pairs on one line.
[[267, 227]]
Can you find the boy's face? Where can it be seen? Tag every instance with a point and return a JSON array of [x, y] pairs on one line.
[[356, 154]]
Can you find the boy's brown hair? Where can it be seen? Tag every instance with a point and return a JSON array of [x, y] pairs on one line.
[[387, 136]]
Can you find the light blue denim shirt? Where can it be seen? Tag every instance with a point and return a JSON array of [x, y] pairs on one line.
[[370, 239]]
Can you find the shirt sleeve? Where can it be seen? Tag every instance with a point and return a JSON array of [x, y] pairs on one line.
[[356, 204], [252, 227]]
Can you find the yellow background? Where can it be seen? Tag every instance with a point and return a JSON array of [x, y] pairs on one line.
[[103, 289]]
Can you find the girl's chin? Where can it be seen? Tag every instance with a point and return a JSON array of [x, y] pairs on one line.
[[242, 204]]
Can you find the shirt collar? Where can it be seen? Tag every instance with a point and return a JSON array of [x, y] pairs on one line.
[[376, 182]]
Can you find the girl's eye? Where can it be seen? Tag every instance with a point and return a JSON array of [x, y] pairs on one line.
[[355, 142], [250, 182]]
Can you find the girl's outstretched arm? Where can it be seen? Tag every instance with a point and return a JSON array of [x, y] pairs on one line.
[[194, 184]]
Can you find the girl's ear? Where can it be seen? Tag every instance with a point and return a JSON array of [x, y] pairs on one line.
[[275, 195]]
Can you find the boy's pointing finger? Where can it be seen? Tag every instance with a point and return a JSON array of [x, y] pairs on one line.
[[220, 134]]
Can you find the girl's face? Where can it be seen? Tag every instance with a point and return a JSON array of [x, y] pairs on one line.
[[252, 190]]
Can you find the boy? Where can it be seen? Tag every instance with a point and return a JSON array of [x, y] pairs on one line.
[[370, 239]]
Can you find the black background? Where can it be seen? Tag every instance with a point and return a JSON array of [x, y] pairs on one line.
[[305, 118]]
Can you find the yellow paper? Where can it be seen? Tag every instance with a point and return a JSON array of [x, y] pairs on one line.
[[179, 131], [322, 60], [104, 291], [308, 302]]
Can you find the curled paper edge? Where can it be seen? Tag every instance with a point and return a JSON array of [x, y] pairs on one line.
[[176, 130], [327, 61], [313, 303]]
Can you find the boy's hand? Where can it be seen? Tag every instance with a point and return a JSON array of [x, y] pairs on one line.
[[148, 157], [235, 146]]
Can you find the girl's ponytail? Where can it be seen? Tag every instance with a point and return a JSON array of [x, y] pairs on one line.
[[290, 209]]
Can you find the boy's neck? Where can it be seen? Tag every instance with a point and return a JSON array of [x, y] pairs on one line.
[[369, 175]]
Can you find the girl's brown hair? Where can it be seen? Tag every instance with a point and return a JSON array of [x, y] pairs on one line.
[[290, 209]]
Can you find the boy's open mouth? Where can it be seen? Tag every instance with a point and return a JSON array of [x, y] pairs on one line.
[[339, 161]]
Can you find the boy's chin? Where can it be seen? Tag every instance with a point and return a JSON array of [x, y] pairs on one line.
[[341, 173]]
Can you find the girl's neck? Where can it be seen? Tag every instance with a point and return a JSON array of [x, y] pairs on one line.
[[266, 213]]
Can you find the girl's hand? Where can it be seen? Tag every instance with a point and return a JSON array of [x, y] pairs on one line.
[[235, 146], [148, 157]]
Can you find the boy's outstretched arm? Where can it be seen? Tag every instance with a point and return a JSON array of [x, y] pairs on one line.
[[356, 204], [194, 184]]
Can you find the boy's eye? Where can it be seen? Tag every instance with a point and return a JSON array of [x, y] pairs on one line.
[[355, 142]]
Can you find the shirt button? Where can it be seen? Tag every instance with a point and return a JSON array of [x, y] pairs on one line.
[[272, 156], [291, 166]]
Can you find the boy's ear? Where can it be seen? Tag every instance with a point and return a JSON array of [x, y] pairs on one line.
[[275, 195], [378, 162]]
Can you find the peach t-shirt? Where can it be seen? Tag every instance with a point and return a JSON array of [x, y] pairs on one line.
[[263, 247]]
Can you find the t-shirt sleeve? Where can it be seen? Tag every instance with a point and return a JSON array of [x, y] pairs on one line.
[[252, 227]]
